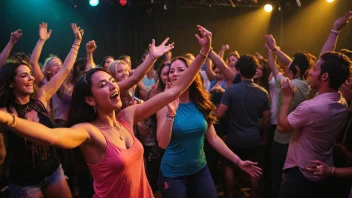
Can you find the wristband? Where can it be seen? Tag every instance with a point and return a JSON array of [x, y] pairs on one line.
[[236, 160], [13, 124], [335, 32], [275, 49], [170, 117], [152, 56]]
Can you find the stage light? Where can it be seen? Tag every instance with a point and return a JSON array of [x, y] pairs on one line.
[[93, 2], [123, 2], [268, 8], [330, 1]]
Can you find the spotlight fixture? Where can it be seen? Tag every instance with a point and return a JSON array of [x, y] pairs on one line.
[[268, 8], [330, 1], [93, 2]]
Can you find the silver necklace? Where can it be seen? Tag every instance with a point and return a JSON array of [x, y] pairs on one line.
[[111, 129]]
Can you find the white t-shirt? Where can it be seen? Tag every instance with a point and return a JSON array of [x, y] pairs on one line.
[[274, 92]]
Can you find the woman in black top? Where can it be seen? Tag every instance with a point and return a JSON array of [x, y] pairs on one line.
[[34, 170]]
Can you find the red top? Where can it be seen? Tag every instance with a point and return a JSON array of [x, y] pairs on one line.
[[121, 173]]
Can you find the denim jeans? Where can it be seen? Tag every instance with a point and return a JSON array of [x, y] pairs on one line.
[[197, 185], [31, 191]]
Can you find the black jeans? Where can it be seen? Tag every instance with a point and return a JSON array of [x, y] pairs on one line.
[[296, 185], [278, 158]]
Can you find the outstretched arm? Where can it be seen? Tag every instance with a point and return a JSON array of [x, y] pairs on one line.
[[67, 138], [46, 92], [138, 74], [320, 169], [330, 43], [15, 36], [152, 105], [44, 35], [219, 145]]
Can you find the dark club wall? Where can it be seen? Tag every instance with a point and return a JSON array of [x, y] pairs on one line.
[[128, 30]]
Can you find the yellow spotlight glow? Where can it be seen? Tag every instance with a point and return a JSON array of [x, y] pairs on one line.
[[268, 8], [330, 1]]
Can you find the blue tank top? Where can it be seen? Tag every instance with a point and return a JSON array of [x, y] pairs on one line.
[[148, 82], [185, 154]]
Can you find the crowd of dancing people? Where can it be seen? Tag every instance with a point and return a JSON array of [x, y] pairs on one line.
[[177, 126]]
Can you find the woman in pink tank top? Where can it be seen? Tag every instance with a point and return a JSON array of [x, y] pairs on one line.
[[104, 132]]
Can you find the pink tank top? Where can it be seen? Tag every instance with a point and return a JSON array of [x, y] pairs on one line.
[[121, 173]]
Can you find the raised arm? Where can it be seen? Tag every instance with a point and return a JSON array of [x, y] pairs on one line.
[[44, 35], [209, 64], [209, 70], [271, 42], [224, 48], [152, 105], [67, 138], [90, 48], [138, 74], [271, 61], [219, 63], [165, 120], [15, 36], [46, 92], [330, 43]]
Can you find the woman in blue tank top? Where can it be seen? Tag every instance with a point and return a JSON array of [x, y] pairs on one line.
[[181, 127]]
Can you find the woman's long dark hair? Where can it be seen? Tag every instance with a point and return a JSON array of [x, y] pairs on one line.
[[80, 111], [199, 96], [264, 80], [7, 76]]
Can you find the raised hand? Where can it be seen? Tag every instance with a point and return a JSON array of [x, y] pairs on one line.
[[91, 47], [270, 41], [77, 31], [341, 22], [206, 39], [225, 47], [158, 51], [287, 90], [15, 36], [259, 56], [250, 167], [44, 34], [217, 88]]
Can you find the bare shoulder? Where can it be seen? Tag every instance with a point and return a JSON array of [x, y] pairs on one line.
[[127, 114], [86, 126]]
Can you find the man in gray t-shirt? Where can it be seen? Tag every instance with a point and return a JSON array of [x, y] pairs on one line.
[[249, 119], [295, 70]]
